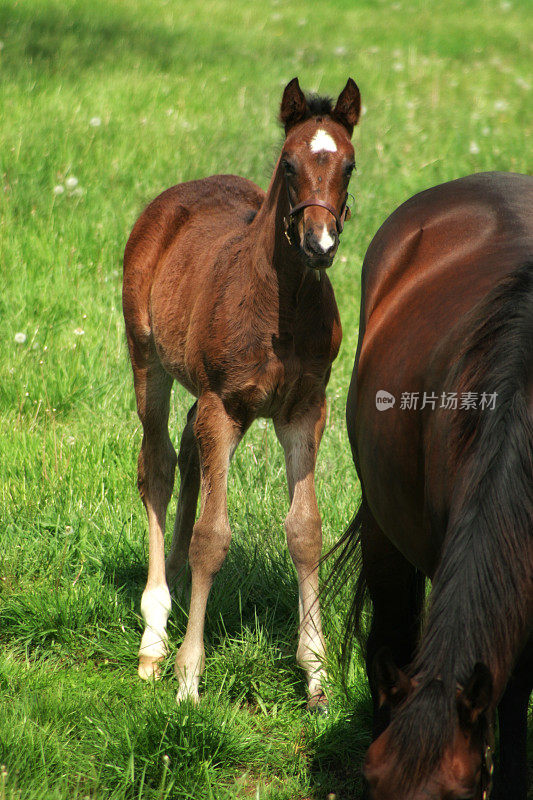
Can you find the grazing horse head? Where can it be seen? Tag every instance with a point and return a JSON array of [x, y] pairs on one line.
[[317, 161], [451, 758]]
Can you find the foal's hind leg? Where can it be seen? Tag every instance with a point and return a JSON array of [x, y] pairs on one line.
[[300, 439], [156, 465], [217, 436], [397, 594], [189, 467]]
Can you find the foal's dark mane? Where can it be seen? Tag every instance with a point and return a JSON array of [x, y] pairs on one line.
[[479, 608], [318, 106]]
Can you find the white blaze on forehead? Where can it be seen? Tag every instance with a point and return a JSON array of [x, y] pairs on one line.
[[322, 141]]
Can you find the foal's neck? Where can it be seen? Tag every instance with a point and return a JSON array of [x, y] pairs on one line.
[[275, 256]]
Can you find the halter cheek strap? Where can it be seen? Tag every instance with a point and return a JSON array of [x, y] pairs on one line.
[[487, 769]]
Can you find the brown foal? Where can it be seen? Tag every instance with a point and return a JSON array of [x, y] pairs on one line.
[[225, 291]]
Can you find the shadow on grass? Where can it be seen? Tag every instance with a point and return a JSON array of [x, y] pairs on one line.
[[338, 754], [54, 38], [256, 585]]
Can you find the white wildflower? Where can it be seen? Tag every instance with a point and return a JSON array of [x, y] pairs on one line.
[[71, 182], [20, 337], [474, 148], [59, 189], [501, 105], [79, 331], [95, 122]]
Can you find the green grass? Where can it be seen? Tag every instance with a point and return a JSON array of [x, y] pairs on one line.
[[184, 90]]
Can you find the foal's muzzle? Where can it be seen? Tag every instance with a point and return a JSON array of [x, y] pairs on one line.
[[318, 246]]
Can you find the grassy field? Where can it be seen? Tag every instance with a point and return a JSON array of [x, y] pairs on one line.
[[103, 106]]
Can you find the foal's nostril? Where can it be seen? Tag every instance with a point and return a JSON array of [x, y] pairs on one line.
[[324, 243]]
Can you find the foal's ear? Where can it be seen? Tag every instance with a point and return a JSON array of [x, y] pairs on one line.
[[348, 106], [476, 696], [392, 684], [293, 105]]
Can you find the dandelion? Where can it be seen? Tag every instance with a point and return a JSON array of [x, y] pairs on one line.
[[95, 122], [59, 189], [474, 148], [20, 337], [501, 105], [79, 331], [523, 84], [71, 182]]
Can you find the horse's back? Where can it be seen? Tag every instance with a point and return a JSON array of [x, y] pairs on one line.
[[434, 259], [482, 216], [173, 232]]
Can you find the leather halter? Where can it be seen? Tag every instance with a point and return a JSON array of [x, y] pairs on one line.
[[339, 218], [487, 768]]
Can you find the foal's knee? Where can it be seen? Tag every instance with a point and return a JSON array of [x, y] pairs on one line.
[[155, 471], [209, 546], [304, 537]]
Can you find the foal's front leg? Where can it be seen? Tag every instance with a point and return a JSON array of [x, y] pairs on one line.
[[300, 438], [217, 436]]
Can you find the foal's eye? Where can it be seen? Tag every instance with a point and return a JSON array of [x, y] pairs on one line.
[[348, 169], [289, 167]]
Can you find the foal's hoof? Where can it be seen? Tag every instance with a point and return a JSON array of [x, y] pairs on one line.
[[149, 668], [318, 704], [186, 695]]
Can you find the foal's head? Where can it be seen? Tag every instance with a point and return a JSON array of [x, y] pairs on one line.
[[437, 744], [317, 160]]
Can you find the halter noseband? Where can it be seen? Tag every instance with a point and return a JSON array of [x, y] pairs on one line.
[[339, 218]]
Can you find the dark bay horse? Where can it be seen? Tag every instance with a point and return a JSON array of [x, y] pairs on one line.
[[440, 420], [225, 291]]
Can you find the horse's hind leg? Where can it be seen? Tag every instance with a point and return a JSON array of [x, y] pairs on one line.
[[397, 593], [156, 465], [300, 439], [189, 467], [217, 435]]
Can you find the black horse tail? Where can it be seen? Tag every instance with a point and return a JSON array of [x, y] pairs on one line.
[[347, 565], [488, 548]]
